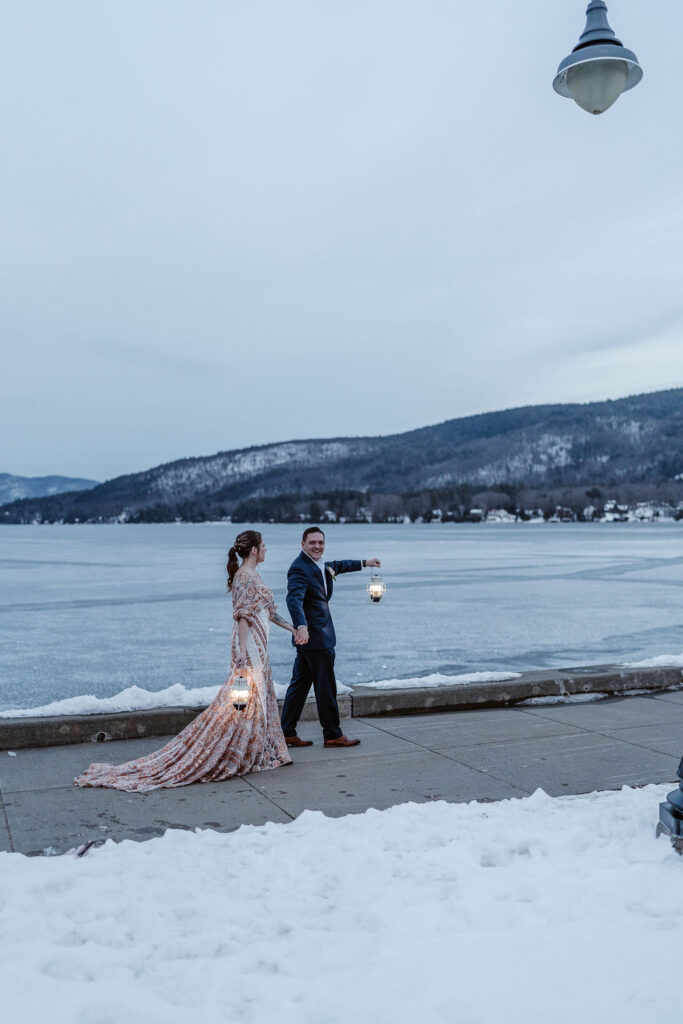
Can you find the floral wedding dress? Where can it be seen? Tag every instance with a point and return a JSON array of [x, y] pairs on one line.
[[221, 741]]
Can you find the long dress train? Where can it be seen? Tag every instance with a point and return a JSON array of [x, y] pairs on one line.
[[221, 741]]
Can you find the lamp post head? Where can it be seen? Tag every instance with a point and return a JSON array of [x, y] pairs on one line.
[[599, 68]]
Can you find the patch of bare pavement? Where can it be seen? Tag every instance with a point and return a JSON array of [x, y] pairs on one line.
[[490, 753]]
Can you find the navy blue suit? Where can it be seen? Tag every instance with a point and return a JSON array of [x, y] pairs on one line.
[[308, 602]]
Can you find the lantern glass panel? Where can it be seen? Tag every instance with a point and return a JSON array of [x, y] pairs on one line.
[[376, 588], [240, 692]]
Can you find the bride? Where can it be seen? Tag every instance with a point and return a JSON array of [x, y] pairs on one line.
[[221, 741]]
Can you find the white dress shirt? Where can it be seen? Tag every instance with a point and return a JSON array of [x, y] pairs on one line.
[[320, 566]]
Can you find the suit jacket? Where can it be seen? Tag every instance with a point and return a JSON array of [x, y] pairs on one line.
[[308, 600]]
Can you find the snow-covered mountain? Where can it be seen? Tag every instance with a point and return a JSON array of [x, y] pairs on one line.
[[13, 488], [601, 444]]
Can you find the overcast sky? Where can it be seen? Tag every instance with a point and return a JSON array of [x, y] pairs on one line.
[[229, 223]]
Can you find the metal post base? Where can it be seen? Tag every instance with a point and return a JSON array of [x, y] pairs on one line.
[[671, 814], [676, 841]]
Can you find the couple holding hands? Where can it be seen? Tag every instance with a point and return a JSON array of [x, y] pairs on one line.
[[223, 741]]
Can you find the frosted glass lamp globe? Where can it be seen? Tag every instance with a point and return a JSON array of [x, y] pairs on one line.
[[596, 84]]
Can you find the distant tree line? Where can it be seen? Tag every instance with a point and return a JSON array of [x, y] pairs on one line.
[[449, 504]]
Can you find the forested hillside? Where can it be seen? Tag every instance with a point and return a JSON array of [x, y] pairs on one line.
[[630, 449]]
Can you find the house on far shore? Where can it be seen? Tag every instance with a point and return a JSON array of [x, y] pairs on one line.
[[500, 515], [563, 515]]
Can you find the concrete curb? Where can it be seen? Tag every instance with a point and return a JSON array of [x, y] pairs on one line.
[[18, 733], [602, 679], [366, 701]]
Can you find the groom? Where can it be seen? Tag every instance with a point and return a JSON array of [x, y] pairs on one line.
[[310, 582]]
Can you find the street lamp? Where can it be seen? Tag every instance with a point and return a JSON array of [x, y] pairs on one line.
[[671, 815], [600, 67], [595, 74]]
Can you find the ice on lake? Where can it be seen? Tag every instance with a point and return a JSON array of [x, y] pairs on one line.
[[98, 609]]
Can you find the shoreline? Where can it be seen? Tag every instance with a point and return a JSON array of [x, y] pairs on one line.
[[558, 685], [654, 521]]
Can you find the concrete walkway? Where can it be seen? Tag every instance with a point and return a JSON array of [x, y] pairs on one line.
[[456, 756]]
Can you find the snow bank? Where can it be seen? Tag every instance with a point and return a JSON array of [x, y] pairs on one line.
[[134, 698], [523, 911], [661, 661], [437, 679]]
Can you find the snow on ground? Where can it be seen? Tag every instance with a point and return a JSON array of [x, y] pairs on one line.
[[438, 679], [587, 698], [134, 698], [569, 698], [661, 661], [523, 911]]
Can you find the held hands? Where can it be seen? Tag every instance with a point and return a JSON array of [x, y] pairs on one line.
[[373, 563], [301, 635]]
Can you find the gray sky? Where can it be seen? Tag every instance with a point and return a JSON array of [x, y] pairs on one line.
[[232, 223]]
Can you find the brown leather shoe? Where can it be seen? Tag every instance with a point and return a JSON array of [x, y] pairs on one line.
[[342, 741], [296, 741]]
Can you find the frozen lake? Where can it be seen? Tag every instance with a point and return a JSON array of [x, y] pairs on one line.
[[95, 609]]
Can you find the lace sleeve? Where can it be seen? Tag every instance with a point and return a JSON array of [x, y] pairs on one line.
[[270, 605], [244, 598]]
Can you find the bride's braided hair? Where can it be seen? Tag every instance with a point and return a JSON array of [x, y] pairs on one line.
[[244, 542]]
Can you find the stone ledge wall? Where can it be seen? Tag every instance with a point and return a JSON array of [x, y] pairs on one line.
[[609, 680]]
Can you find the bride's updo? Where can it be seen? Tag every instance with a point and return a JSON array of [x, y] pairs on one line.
[[244, 542]]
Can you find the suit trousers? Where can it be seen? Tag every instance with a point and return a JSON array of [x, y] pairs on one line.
[[312, 668]]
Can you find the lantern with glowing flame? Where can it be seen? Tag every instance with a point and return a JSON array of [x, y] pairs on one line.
[[376, 588], [240, 691]]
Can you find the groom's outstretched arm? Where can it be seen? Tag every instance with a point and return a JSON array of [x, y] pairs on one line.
[[296, 591], [345, 565]]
